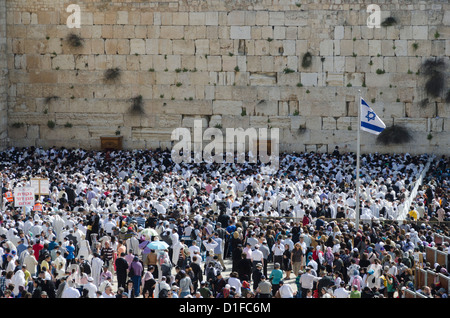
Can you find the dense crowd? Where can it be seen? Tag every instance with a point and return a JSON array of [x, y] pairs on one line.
[[92, 236]]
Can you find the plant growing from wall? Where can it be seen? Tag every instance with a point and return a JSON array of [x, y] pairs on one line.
[[301, 129], [389, 21], [112, 74], [306, 60], [394, 135], [48, 99], [434, 70], [137, 105], [74, 40], [51, 124], [17, 125], [68, 125]]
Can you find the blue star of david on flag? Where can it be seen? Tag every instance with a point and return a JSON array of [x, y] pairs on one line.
[[370, 122]]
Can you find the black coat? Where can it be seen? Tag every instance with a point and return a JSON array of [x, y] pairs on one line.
[[198, 275], [256, 277], [244, 269], [49, 287]]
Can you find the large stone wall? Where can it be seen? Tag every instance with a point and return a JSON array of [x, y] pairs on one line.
[[3, 77], [229, 63]]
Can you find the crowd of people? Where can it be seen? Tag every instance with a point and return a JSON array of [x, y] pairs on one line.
[[290, 235]]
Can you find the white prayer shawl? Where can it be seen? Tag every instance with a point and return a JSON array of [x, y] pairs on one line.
[[18, 280], [97, 265]]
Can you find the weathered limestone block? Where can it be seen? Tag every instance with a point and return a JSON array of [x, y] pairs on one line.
[[279, 122], [326, 47], [339, 32], [224, 107], [259, 121], [335, 79], [309, 79], [239, 121], [436, 124], [347, 123], [420, 32], [63, 133], [151, 134], [171, 32], [328, 123], [188, 121], [413, 124], [240, 32], [137, 46], [215, 121], [276, 18], [377, 80]]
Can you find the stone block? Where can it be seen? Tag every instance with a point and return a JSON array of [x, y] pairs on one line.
[[171, 32], [295, 18], [237, 121], [259, 121], [335, 79], [240, 32], [211, 18], [326, 48], [276, 18], [420, 32], [309, 79], [262, 18], [137, 46], [183, 47], [266, 108], [413, 124], [227, 107], [329, 123], [197, 18], [122, 17], [339, 32], [236, 18]]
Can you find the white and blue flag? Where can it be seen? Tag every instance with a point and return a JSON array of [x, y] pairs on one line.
[[370, 122]]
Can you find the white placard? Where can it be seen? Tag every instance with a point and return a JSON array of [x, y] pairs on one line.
[[23, 197], [40, 186]]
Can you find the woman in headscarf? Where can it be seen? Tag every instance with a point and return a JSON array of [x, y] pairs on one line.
[[329, 258]]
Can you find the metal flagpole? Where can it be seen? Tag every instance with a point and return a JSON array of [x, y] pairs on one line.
[[358, 145]]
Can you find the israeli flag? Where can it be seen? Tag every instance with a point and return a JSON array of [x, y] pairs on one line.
[[370, 122]]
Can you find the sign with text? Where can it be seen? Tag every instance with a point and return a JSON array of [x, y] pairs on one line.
[[23, 197], [41, 186]]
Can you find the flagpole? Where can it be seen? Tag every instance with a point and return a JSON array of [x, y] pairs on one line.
[[358, 146]]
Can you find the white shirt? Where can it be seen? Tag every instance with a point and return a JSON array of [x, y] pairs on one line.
[[70, 292], [257, 256], [341, 293], [278, 249], [286, 291], [92, 290], [235, 282]]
